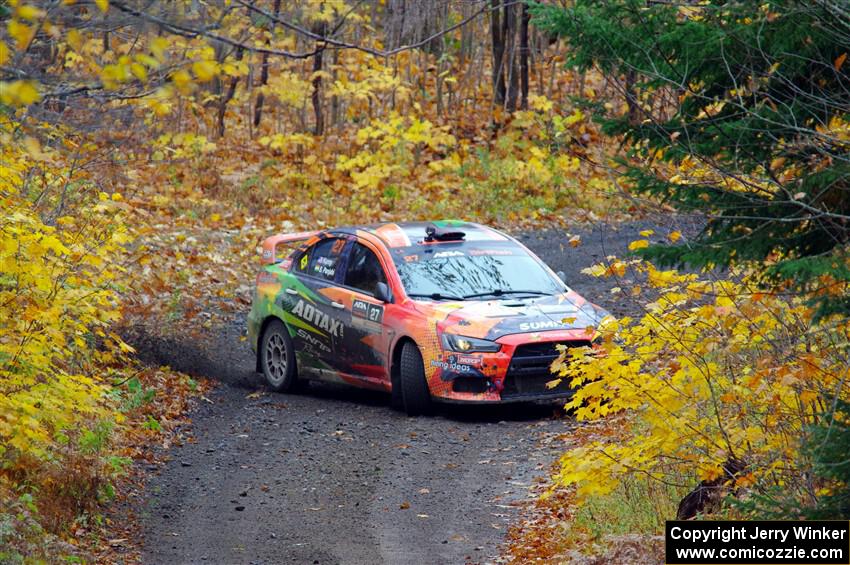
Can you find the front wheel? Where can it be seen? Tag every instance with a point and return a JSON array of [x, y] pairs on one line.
[[414, 386], [277, 358]]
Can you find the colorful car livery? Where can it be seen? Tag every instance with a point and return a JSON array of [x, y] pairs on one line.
[[448, 311]]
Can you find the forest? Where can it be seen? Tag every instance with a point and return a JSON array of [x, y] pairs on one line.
[[148, 148]]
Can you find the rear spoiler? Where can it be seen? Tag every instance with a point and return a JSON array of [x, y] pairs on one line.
[[269, 256]]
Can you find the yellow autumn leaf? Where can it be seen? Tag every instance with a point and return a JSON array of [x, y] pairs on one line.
[[147, 60], [205, 70], [674, 236], [575, 241], [595, 271], [638, 244], [158, 47], [182, 80], [20, 32], [19, 93], [33, 148], [75, 40], [574, 118], [102, 4], [646, 233], [139, 71], [4, 53], [27, 12], [540, 103]]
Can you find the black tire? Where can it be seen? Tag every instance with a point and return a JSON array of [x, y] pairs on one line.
[[414, 387], [277, 358], [396, 396]]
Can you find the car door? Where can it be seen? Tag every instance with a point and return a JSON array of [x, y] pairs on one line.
[[365, 341], [313, 310]]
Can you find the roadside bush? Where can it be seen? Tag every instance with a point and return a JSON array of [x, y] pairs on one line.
[[717, 370], [60, 242]]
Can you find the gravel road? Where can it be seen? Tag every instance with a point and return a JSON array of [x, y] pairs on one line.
[[334, 475]]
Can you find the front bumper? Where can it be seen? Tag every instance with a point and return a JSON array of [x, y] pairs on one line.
[[519, 372]]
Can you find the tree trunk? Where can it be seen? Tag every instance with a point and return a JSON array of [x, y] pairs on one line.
[[498, 53], [467, 36], [523, 56], [509, 25], [227, 97], [319, 129], [335, 98], [264, 72], [631, 97]]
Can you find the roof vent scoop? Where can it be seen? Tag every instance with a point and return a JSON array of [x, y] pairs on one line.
[[434, 233]]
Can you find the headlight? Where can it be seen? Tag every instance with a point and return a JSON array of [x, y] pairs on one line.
[[463, 344]]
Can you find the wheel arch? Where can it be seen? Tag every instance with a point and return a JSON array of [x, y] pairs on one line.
[[395, 359], [263, 326]]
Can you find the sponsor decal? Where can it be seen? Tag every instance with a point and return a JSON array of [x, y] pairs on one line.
[[338, 245], [547, 325], [265, 278], [317, 318], [479, 252], [304, 260], [311, 341], [267, 253], [325, 267], [360, 308], [448, 254], [447, 366], [468, 360], [411, 258], [367, 311]]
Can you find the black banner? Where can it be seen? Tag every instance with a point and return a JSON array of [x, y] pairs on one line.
[[822, 542]]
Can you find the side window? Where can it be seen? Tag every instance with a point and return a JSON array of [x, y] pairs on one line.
[[322, 260], [364, 270]]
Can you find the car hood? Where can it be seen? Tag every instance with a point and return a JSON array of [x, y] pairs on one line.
[[492, 319]]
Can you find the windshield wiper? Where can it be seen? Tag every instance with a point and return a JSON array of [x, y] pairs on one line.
[[434, 296], [501, 292]]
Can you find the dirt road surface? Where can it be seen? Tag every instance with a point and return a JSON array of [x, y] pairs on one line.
[[334, 475]]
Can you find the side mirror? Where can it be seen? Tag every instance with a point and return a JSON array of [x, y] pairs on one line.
[[382, 292], [563, 276]]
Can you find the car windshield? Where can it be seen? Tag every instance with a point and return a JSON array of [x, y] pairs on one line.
[[464, 272]]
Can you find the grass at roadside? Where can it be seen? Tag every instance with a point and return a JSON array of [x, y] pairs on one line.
[[622, 526]]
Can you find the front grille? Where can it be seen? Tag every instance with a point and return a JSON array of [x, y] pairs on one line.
[[529, 371]]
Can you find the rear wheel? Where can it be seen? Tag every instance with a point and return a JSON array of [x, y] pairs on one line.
[[414, 387], [277, 358]]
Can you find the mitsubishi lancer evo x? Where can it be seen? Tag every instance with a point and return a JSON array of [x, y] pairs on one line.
[[444, 311]]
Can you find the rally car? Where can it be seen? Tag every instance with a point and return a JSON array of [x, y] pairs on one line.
[[448, 311]]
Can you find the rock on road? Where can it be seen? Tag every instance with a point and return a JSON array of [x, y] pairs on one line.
[[334, 475]]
